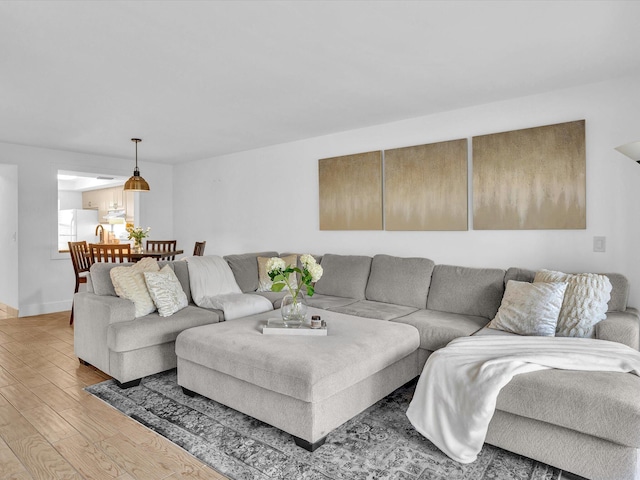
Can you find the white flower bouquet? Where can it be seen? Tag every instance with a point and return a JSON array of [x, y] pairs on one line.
[[280, 274]]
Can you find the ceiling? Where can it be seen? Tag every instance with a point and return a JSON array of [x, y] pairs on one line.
[[201, 79]]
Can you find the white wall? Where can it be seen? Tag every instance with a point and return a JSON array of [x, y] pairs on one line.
[[267, 199], [69, 199], [45, 278], [9, 235]]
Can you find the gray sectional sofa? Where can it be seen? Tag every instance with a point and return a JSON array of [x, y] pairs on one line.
[[587, 423]]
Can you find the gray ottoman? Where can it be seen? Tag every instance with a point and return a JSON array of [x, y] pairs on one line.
[[304, 385]]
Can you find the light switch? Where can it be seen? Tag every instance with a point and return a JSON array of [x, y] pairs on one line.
[[599, 244]]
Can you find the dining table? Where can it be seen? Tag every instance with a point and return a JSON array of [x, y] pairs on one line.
[[135, 256]]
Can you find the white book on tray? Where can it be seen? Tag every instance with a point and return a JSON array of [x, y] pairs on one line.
[[275, 326]]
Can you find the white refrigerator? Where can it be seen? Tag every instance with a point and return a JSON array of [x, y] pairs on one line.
[[76, 225]]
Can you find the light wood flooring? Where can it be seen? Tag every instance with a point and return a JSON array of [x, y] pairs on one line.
[[50, 428]]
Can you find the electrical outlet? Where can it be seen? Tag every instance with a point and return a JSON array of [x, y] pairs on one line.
[[599, 244]]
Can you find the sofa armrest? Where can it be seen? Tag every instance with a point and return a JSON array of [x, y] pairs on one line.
[[112, 309], [621, 327], [92, 316]]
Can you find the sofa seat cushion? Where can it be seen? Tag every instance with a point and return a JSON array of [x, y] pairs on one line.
[[274, 297], [327, 302], [439, 328], [308, 368], [377, 310], [602, 404], [153, 329]]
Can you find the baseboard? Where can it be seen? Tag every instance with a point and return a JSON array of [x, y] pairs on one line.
[[9, 310], [43, 308]]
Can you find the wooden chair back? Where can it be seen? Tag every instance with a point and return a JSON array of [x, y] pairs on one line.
[[114, 253], [162, 246], [198, 250], [81, 261]]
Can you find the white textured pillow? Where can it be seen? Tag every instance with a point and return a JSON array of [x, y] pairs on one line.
[[129, 283], [530, 308], [263, 276], [585, 301], [166, 291]]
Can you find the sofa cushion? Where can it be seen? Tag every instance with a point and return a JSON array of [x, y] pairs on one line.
[[602, 404], [619, 286], [403, 281], [621, 327], [519, 275], [245, 269], [619, 292], [439, 328], [327, 302], [377, 310], [274, 297], [464, 290], [153, 329], [344, 276], [101, 278]]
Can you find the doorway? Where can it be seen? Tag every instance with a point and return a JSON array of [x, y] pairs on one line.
[[9, 240]]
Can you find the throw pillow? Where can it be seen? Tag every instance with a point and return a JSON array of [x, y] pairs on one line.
[[264, 282], [129, 283], [530, 308], [585, 301], [166, 291]]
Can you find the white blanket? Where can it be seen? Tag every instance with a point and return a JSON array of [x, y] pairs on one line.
[[214, 286], [456, 395]]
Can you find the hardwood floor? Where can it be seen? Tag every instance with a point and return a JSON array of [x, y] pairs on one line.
[[50, 428]]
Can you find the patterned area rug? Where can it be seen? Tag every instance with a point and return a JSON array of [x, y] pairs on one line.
[[380, 443]]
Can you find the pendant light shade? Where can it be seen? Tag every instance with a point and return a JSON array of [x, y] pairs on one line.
[[136, 183], [631, 150]]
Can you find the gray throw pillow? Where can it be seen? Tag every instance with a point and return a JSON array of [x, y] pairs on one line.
[[530, 308]]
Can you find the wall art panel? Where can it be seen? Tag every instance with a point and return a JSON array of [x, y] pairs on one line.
[[426, 187], [351, 192], [530, 179]]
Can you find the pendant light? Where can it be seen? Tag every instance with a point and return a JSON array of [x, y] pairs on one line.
[[631, 150], [136, 183]]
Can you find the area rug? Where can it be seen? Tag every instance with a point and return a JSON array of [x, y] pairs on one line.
[[380, 443]]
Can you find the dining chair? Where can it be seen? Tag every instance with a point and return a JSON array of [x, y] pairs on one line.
[[114, 253], [198, 250], [162, 246], [81, 263]]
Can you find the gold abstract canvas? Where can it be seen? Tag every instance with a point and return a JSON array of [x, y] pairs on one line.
[[351, 192], [426, 187], [530, 179]]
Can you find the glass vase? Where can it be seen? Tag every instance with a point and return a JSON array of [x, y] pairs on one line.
[[137, 245], [293, 310]]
